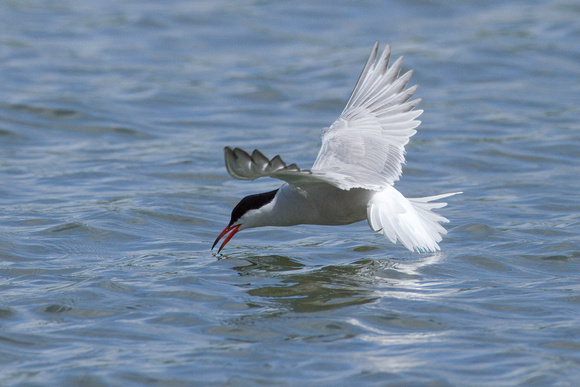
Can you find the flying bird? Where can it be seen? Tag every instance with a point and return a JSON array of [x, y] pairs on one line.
[[352, 178]]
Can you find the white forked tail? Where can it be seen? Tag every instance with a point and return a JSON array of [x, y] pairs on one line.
[[411, 221]]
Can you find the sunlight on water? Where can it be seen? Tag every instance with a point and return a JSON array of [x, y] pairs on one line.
[[113, 118]]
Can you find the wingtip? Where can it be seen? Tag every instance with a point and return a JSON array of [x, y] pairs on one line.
[[387, 47], [377, 44]]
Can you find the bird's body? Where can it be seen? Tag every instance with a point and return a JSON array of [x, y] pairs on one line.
[[318, 203], [352, 178]]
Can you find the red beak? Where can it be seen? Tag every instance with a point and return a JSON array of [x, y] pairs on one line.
[[226, 230]]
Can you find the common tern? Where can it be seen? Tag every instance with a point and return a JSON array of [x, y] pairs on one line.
[[352, 178]]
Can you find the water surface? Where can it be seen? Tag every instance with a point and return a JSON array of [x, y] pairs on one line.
[[113, 117]]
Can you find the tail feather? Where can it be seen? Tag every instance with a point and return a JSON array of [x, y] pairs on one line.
[[410, 221]]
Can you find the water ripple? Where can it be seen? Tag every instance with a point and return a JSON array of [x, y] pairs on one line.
[[113, 117]]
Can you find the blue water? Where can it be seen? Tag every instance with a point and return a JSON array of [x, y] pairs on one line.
[[113, 117]]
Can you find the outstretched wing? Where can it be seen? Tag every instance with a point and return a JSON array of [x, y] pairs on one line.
[[365, 146], [243, 166]]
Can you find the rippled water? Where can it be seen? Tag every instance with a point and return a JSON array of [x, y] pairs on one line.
[[113, 116]]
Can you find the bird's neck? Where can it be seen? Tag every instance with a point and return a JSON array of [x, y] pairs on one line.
[[289, 207]]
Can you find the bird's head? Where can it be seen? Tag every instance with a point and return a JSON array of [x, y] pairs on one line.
[[249, 212]]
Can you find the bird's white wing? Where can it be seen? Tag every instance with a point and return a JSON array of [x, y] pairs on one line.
[[241, 165], [365, 146]]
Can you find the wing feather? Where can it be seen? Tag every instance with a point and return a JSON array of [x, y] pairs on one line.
[[243, 166], [363, 76], [364, 147]]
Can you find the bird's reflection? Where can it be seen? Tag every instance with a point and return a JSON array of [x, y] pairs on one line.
[[313, 288]]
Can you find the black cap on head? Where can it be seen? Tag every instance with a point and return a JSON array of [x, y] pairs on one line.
[[251, 202]]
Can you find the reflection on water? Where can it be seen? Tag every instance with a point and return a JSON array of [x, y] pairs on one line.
[[113, 117], [300, 288], [304, 289]]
